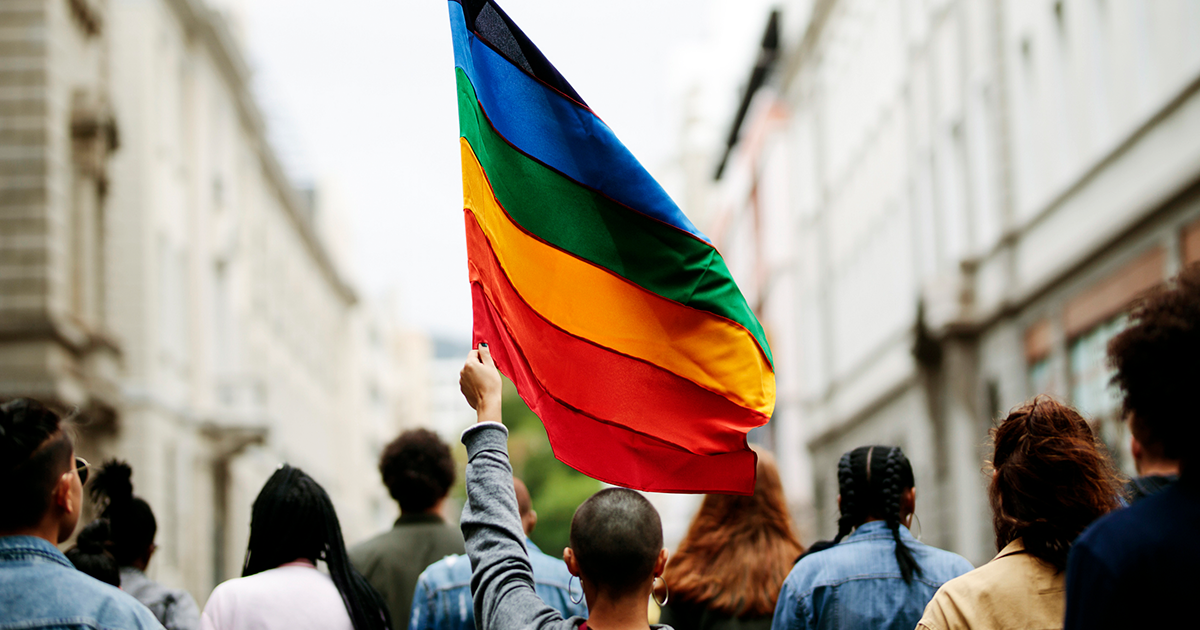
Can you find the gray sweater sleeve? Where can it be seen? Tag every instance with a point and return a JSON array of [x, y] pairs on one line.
[[502, 580]]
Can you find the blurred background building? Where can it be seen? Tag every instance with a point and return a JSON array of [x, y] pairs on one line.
[[941, 208], [938, 208], [160, 274]]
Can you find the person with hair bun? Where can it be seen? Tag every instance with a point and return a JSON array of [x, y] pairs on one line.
[[1050, 479], [727, 572], [292, 526], [90, 553], [874, 574], [132, 528]]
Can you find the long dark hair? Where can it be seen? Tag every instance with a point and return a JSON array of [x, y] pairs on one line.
[[293, 518], [1051, 479], [738, 549], [871, 480], [132, 525]]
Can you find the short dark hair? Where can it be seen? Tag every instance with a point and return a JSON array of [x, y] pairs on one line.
[[1157, 361], [616, 536], [417, 469], [35, 451], [1052, 479]]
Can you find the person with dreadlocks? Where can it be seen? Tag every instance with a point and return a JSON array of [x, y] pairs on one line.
[[132, 527], [874, 574], [292, 526], [1050, 479]]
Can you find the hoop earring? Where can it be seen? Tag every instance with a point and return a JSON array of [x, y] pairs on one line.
[[666, 592], [571, 596], [919, 528]]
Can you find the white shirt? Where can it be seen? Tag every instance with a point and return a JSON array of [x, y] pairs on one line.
[[292, 596]]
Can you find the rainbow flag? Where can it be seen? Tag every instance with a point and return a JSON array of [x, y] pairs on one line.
[[617, 320]]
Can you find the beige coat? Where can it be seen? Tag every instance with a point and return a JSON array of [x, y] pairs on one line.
[[1014, 590]]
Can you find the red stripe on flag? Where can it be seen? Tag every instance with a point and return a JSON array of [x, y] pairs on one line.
[[603, 451]]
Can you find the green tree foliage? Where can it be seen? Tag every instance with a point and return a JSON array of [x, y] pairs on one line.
[[556, 488]]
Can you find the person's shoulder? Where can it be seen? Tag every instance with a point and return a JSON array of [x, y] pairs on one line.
[[114, 605], [451, 570], [943, 565], [372, 548], [823, 568]]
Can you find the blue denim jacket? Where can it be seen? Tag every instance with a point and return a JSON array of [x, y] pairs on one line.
[[40, 588], [857, 584], [442, 600]]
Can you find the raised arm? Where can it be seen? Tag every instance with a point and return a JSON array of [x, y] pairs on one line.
[[502, 578]]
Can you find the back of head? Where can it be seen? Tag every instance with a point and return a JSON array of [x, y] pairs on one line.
[[1157, 367], [1052, 479], [871, 482], [90, 553], [616, 536], [418, 469], [292, 519], [130, 519], [34, 453], [738, 549]]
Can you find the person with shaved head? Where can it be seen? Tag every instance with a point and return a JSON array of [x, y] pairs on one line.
[[443, 597], [616, 535]]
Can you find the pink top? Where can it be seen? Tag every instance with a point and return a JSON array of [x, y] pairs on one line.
[[293, 596]]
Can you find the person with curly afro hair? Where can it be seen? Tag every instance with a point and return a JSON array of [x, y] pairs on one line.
[[419, 471], [1137, 566]]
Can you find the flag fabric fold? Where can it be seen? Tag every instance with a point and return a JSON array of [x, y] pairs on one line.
[[613, 314]]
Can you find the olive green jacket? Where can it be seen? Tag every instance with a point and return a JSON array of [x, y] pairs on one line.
[[393, 560]]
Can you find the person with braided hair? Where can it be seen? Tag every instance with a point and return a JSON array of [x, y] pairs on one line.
[[1051, 478], [293, 525], [131, 531], [874, 574]]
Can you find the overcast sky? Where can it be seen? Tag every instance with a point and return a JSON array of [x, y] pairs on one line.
[[360, 98]]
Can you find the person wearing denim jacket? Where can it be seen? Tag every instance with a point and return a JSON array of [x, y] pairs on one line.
[[442, 600], [41, 497], [443, 597], [878, 576], [40, 588], [851, 584]]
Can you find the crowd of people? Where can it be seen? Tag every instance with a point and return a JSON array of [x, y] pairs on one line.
[[1078, 546]]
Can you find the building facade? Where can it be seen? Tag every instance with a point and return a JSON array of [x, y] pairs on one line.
[[57, 135], [943, 208], [161, 274]]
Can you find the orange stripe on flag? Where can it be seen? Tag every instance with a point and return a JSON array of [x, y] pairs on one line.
[[592, 303]]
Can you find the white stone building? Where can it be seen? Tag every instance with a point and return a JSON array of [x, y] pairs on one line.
[[174, 286], [942, 208]]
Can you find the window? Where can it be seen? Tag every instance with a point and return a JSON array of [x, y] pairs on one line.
[[1092, 392]]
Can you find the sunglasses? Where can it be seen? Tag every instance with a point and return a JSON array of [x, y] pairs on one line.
[[81, 467]]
